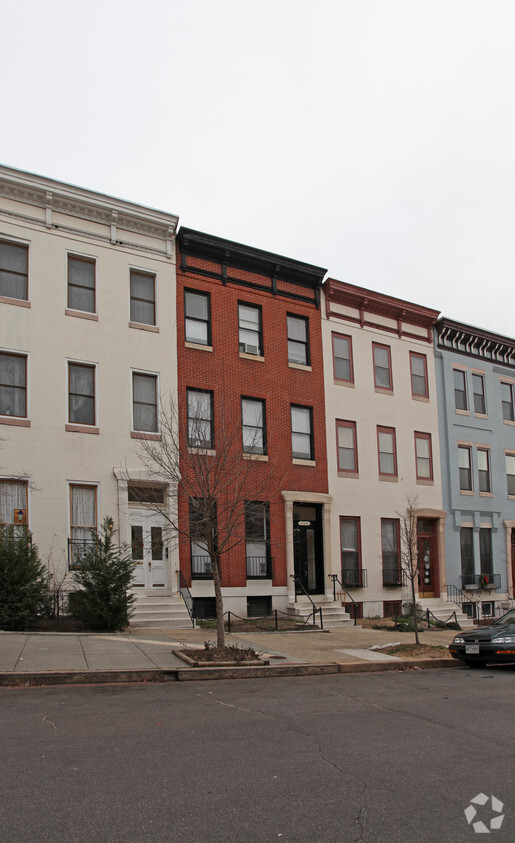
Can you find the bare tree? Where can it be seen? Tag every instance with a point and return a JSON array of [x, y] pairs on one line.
[[408, 552], [215, 481]]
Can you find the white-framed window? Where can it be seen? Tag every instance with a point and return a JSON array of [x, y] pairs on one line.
[[302, 445], [82, 393], [14, 270], [14, 505], [81, 283], [249, 329], [144, 402], [298, 339], [143, 297], [200, 418], [197, 317], [13, 384], [460, 390], [253, 425], [83, 519]]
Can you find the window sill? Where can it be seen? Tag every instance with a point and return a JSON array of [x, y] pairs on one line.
[[81, 314], [352, 475], [423, 398], [462, 412], [156, 437], [481, 415], [383, 391], [508, 421], [296, 461], [300, 366], [17, 302], [385, 478], [199, 346], [511, 497], [466, 492], [15, 421], [140, 326], [486, 495], [207, 452], [255, 357], [257, 457], [424, 481], [344, 383], [82, 428]]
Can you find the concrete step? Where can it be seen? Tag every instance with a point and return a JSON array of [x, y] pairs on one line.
[[334, 615], [160, 611], [442, 609]]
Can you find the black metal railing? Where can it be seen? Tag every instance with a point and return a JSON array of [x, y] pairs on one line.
[[77, 550], [299, 586], [481, 582], [259, 567], [354, 578], [392, 578], [335, 580], [474, 609], [186, 596], [201, 568]]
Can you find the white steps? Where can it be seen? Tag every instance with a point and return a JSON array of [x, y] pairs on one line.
[[442, 609], [334, 615], [159, 611]]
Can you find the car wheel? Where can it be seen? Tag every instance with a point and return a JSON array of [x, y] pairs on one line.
[[475, 662]]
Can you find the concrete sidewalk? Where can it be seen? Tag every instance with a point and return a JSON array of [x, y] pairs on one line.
[[149, 654]]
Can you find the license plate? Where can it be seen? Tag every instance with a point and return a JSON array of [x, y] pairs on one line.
[[472, 649]]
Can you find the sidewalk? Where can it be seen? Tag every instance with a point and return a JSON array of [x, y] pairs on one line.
[[88, 657]]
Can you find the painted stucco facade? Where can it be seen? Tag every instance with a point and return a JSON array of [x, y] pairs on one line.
[[476, 380], [88, 333], [382, 435]]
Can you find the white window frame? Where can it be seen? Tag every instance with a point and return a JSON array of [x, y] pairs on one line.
[[143, 271], [158, 401], [93, 366]]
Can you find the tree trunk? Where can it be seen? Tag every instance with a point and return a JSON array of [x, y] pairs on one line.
[[220, 630], [414, 604]]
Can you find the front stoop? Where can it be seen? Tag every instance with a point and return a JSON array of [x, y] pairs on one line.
[[442, 609], [334, 615], [159, 611]]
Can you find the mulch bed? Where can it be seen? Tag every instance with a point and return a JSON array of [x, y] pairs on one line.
[[416, 651]]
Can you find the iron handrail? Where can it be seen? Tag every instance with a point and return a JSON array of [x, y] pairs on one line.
[[316, 610], [186, 596], [335, 580]]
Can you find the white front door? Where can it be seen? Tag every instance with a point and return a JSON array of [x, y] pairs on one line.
[[148, 550]]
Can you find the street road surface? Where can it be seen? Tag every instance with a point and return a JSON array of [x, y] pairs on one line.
[[375, 757]]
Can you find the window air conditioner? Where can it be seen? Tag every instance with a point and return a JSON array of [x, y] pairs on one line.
[[250, 349]]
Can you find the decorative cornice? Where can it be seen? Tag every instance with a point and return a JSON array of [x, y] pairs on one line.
[[84, 204], [475, 342]]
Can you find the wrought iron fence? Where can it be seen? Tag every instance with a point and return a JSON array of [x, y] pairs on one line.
[[481, 582], [354, 578], [201, 568], [392, 578], [77, 550], [259, 567]]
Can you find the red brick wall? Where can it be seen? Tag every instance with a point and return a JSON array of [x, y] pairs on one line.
[[229, 377]]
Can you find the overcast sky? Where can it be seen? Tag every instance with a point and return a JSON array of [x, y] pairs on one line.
[[372, 137]]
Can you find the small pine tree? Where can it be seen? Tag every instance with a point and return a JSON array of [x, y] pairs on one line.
[[24, 586], [104, 576]]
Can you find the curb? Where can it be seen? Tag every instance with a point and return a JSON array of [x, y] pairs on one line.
[[142, 675]]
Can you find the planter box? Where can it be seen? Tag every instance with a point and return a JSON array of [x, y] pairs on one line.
[[181, 654], [471, 587]]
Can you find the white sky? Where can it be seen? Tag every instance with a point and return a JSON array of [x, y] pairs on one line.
[[373, 137]]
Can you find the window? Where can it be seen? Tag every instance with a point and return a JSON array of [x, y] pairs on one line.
[[197, 317], [478, 392], [13, 499], [387, 451], [342, 358], [298, 340], [144, 402], [382, 366], [83, 519], [350, 542], [143, 298], [465, 468], [485, 551], [201, 523], [390, 546], [81, 284], [419, 386], [424, 456], [14, 262], [81, 393], [249, 326], [346, 449], [460, 390], [510, 473], [257, 538], [483, 468], [507, 401], [13, 385], [145, 493], [301, 433], [253, 424], [200, 419], [467, 555]]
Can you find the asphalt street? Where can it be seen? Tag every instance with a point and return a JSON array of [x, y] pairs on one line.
[[375, 757]]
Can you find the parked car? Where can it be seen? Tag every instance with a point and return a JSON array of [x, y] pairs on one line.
[[495, 643]]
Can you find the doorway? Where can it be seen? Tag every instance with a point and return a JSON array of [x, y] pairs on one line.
[[308, 547], [148, 550], [427, 548]]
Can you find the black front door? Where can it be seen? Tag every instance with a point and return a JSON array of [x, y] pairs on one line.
[[308, 547]]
